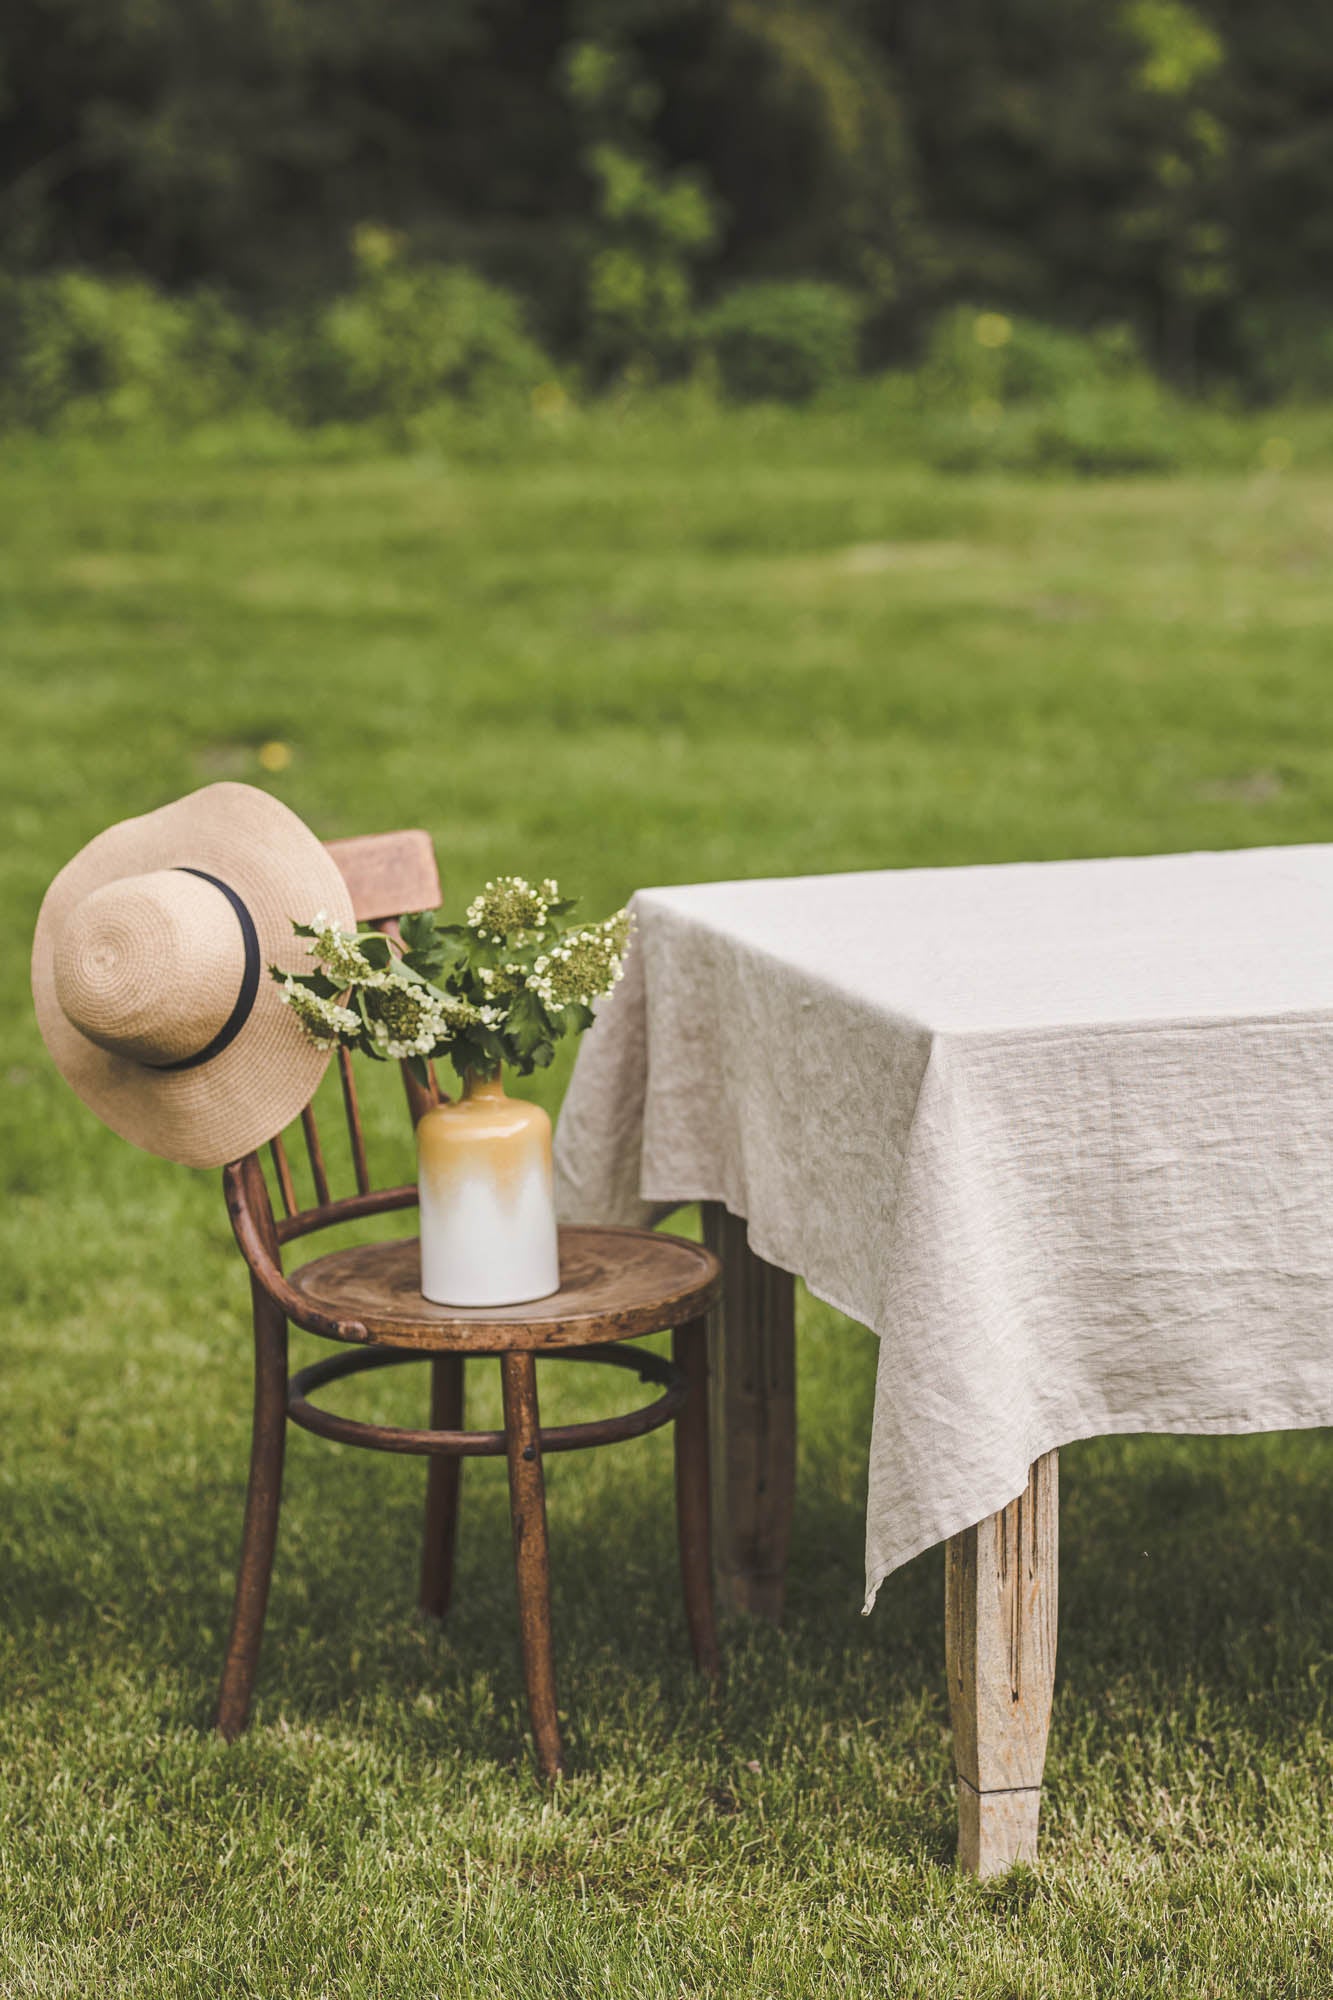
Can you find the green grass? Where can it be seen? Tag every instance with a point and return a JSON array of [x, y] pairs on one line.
[[639, 654]]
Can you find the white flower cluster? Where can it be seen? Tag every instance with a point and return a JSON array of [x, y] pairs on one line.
[[509, 906], [409, 1018], [324, 1021], [502, 982], [340, 955], [584, 965]]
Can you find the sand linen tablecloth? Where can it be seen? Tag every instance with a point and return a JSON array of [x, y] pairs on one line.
[[1060, 1133]]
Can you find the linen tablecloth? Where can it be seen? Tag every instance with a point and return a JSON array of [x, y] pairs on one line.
[[1061, 1134]]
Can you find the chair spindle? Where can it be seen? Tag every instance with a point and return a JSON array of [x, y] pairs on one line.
[[354, 1121], [316, 1155], [284, 1174]]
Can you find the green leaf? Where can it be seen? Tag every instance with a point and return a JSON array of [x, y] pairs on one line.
[[425, 964], [313, 982], [418, 929], [375, 948], [526, 1024], [368, 1045], [417, 1068], [437, 959]]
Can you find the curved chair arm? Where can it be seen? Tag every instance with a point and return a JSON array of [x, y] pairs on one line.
[[265, 1268]]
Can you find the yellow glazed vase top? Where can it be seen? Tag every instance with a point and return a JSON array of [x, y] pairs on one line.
[[488, 1230]]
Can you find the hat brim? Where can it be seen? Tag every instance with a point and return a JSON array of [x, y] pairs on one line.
[[225, 1107]]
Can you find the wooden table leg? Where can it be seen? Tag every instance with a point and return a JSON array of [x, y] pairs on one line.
[[752, 1366], [1001, 1581]]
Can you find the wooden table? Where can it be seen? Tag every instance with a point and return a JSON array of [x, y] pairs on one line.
[[1000, 1576]]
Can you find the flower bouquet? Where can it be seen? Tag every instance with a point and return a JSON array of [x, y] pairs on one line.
[[497, 991]]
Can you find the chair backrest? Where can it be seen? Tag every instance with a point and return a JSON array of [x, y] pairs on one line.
[[386, 873]]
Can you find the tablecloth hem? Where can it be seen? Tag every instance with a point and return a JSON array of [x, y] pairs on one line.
[[1232, 1424]]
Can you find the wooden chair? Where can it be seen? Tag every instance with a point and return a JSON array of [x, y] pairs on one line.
[[616, 1285]]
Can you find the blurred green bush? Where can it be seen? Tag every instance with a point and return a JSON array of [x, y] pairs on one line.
[[1116, 428], [1014, 395], [783, 342], [433, 357], [84, 351], [972, 355], [404, 337], [81, 352]]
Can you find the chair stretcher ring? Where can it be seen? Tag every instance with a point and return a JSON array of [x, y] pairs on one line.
[[649, 1367]]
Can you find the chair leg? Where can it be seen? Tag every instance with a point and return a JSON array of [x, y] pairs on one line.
[[442, 1477], [532, 1561], [689, 1350], [262, 1501]]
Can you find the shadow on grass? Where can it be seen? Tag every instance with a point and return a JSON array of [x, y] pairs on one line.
[[1202, 1565]]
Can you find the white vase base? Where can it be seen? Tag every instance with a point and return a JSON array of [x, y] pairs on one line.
[[488, 1246], [509, 1299]]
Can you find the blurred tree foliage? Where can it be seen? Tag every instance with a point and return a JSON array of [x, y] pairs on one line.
[[649, 227], [1168, 163]]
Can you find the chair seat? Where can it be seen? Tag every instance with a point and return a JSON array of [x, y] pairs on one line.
[[615, 1284]]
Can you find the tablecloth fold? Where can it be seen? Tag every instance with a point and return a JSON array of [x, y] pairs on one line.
[[1060, 1134]]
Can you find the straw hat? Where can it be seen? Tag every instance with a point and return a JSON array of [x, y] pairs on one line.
[[150, 972]]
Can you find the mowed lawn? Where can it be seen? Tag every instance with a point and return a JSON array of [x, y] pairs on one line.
[[649, 653]]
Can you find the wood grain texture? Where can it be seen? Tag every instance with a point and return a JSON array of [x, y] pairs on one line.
[[263, 1497], [258, 1239], [532, 1556], [352, 1107], [752, 1363], [315, 1153], [403, 1439], [388, 873], [1001, 1597], [283, 1171], [421, 1098], [615, 1284], [440, 1536], [348, 1208], [689, 1351], [996, 1830]]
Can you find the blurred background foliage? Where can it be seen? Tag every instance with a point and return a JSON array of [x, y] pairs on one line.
[[344, 209]]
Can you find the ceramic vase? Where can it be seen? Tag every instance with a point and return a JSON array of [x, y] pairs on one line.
[[488, 1234]]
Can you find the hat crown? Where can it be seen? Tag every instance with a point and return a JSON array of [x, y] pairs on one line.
[[149, 966], [148, 972]]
